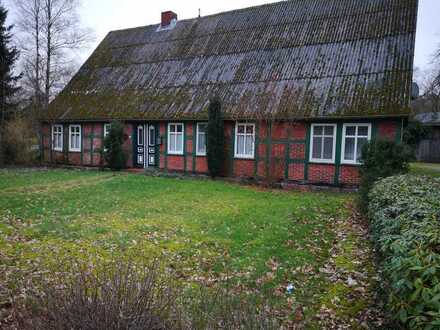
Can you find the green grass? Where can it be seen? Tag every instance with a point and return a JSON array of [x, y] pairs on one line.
[[206, 230], [426, 169]]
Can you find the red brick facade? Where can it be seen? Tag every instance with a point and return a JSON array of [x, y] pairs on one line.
[[281, 151]]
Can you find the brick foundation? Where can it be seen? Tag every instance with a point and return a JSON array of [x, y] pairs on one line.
[[321, 173]]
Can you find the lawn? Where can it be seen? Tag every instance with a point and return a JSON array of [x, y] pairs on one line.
[[426, 169], [208, 231]]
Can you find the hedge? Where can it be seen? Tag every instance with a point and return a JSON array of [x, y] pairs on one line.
[[405, 225]]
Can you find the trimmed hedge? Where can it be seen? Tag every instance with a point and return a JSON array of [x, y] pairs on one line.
[[405, 223]]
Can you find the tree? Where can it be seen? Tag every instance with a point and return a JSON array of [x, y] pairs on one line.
[[215, 141], [50, 34], [8, 81], [429, 81], [29, 24], [8, 57], [114, 153]]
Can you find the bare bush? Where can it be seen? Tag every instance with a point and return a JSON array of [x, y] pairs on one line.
[[19, 142], [124, 295]]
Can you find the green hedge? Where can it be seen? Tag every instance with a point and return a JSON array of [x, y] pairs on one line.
[[405, 223]]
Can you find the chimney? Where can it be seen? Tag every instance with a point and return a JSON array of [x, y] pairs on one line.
[[167, 18]]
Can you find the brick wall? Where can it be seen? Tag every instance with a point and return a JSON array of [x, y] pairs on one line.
[[387, 129], [244, 168], [280, 154], [349, 175], [91, 146], [285, 145], [321, 173]]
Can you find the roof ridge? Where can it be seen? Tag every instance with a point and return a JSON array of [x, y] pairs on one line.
[[211, 15], [321, 18]]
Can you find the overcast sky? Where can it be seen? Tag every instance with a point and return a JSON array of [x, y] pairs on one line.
[[106, 15]]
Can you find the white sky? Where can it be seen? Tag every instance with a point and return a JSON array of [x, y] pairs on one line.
[[106, 15]]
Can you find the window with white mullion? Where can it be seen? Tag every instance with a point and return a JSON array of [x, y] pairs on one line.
[[57, 137], [355, 136], [244, 140], [175, 138], [75, 138], [201, 139], [323, 143]]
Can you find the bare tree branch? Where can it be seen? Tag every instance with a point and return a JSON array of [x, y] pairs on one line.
[[50, 33]]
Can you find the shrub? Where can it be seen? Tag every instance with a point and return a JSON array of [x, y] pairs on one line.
[[381, 159], [215, 141], [125, 295], [114, 153], [19, 142], [414, 133], [405, 225]]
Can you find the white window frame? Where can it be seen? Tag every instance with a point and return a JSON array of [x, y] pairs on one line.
[[174, 152], [236, 153], [151, 142], [140, 131], [197, 140], [70, 138], [344, 135], [105, 129], [54, 147], [106, 133], [321, 160]]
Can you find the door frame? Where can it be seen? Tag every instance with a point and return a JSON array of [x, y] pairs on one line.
[[147, 145]]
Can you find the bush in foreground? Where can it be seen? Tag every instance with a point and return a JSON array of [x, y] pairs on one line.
[[405, 223], [19, 143], [381, 159], [123, 295]]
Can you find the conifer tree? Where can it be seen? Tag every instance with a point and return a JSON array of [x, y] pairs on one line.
[[113, 147], [215, 140], [8, 57]]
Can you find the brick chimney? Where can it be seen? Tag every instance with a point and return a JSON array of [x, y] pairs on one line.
[[167, 17]]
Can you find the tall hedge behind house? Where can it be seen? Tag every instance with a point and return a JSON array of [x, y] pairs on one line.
[[405, 223]]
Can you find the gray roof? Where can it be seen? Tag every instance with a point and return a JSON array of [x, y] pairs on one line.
[[292, 59], [428, 118]]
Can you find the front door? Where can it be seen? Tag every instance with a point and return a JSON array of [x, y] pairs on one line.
[[146, 145]]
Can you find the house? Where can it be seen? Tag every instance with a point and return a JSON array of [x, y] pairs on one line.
[[429, 148], [303, 85]]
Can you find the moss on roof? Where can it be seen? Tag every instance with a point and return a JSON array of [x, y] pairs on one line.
[[292, 59]]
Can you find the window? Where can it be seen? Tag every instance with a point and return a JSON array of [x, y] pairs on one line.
[[152, 136], [201, 139], [323, 143], [75, 138], [140, 135], [107, 128], [175, 139], [57, 137], [244, 140], [355, 136]]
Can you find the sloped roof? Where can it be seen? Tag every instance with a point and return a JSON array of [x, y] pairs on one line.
[[428, 118], [291, 59]]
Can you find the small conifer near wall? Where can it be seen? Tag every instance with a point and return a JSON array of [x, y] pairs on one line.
[[113, 147], [215, 140]]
